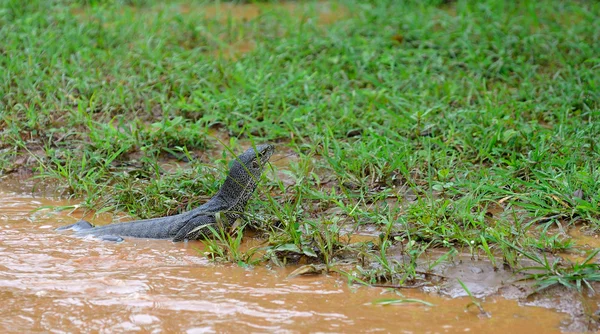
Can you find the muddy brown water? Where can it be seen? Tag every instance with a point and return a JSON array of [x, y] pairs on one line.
[[54, 282]]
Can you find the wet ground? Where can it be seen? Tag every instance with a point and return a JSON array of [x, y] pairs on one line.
[[56, 282]]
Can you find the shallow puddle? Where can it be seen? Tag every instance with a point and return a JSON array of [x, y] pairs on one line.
[[587, 241], [53, 281]]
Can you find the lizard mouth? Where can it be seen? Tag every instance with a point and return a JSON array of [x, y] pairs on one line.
[[265, 152]]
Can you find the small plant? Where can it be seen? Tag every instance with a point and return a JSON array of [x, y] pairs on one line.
[[392, 271], [221, 246], [474, 301], [397, 301], [573, 275], [287, 244], [553, 243], [320, 242], [487, 250], [327, 240]]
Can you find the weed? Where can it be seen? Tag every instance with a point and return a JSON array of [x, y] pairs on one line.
[[474, 301], [223, 246], [393, 301], [574, 275]]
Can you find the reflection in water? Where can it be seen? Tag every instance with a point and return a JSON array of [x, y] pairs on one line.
[[52, 281]]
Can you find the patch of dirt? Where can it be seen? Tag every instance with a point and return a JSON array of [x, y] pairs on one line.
[[323, 12], [479, 276]]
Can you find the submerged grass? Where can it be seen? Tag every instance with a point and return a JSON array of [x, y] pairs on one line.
[[453, 125]]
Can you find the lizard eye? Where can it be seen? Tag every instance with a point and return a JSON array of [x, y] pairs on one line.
[[255, 164]]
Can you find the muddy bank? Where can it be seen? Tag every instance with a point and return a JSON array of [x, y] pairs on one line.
[[485, 282]]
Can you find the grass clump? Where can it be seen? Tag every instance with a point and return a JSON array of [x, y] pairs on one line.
[[573, 275]]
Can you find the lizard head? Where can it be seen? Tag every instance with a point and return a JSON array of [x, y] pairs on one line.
[[253, 160], [244, 174]]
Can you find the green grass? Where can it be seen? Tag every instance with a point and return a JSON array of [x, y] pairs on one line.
[[447, 125], [474, 302], [572, 275], [224, 247]]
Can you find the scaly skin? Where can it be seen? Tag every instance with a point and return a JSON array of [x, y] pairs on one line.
[[230, 201]]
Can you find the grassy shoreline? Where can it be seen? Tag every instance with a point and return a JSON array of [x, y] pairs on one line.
[[468, 126]]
